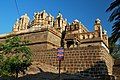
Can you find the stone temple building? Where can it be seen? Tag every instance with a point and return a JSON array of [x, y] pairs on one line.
[[86, 54]]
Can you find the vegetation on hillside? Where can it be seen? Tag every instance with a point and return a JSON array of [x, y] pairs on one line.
[[15, 57]]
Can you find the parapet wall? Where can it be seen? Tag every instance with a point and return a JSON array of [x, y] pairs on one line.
[[42, 39], [86, 61]]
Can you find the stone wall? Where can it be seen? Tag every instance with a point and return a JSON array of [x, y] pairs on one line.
[[35, 37], [53, 39], [43, 39], [85, 61], [108, 60], [116, 69]]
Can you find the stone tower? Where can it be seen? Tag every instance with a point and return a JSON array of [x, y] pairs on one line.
[[22, 23], [16, 26], [60, 23], [49, 20], [102, 34], [36, 19], [98, 28], [42, 20]]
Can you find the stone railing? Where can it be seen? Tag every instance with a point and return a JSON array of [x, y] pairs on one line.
[[89, 35], [80, 36]]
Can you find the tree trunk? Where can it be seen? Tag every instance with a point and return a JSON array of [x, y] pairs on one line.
[[16, 76]]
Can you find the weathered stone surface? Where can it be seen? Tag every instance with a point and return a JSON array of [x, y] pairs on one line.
[[85, 61]]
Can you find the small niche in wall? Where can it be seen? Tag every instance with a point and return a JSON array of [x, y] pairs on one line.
[[89, 46]]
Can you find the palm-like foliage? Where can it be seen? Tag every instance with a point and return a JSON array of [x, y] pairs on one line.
[[15, 57], [114, 50], [115, 17]]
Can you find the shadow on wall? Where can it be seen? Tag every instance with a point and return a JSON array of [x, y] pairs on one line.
[[97, 72], [116, 69]]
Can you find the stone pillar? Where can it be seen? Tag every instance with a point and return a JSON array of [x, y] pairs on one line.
[[60, 23], [98, 28], [16, 26], [24, 22]]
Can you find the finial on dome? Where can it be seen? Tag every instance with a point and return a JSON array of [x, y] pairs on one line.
[[34, 13], [25, 14], [59, 14], [17, 19], [97, 20], [65, 19], [104, 31], [76, 20], [44, 11], [80, 22], [68, 23]]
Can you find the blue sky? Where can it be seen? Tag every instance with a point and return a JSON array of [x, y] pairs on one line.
[[86, 11]]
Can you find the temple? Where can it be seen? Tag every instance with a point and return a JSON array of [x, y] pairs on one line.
[[76, 33], [86, 52]]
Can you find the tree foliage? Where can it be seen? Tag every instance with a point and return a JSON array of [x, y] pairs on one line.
[[15, 57], [114, 8], [114, 50], [114, 40]]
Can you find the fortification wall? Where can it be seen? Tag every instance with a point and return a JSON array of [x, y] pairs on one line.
[[43, 39], [116, 69], [54, 40], [35, 37], [85, 61]]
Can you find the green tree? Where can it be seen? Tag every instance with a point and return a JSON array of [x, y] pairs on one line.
[[114, 50], [15, 57], [114, 8]]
